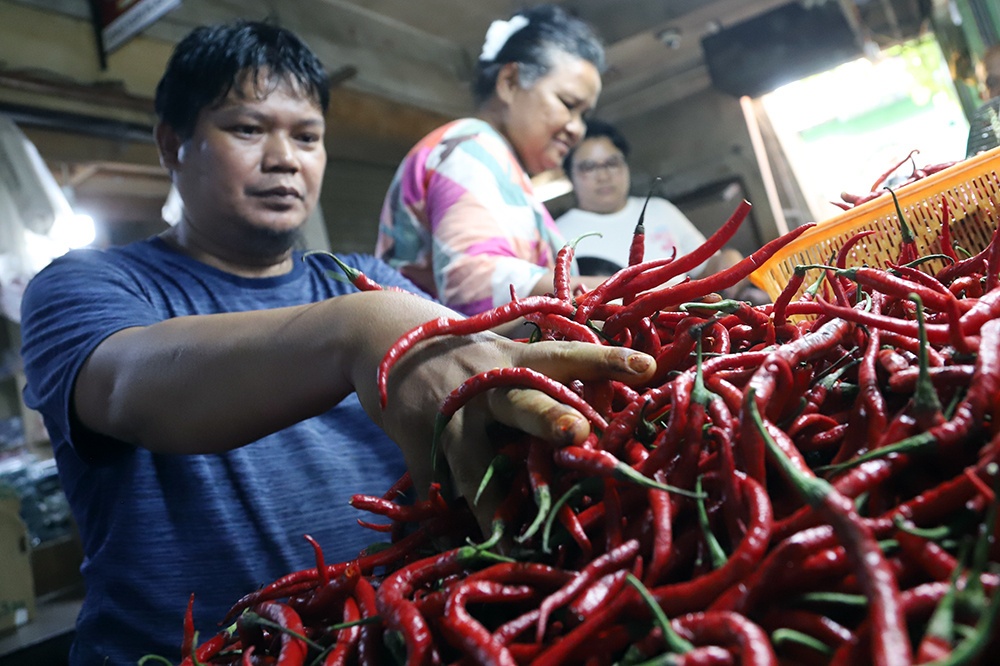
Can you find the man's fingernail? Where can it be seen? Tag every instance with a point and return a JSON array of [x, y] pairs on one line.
[[639, 363], [567, 423]]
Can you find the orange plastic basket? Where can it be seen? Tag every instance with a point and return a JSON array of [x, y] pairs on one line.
[[971, 188]]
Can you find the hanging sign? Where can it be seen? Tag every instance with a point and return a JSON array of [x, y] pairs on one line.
[[117, 21]]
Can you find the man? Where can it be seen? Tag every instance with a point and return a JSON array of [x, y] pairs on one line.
[[199, 386], [598, 168], [984, 129]]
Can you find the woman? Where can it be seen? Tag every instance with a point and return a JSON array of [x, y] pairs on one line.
[[461, 219]]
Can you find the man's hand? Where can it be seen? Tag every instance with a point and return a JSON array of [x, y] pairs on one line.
[[423, 378]]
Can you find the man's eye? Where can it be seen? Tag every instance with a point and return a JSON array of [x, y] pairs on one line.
[[246, 129], [308, 138]]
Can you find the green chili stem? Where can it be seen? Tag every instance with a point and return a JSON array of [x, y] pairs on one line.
[[904, 228], [835, 598], [674, 641], [717, 554], [925, 398], [500, 463], [812, 489], [784, 635], [543, 498], [932, 533], [154, 657], [253, 618], [547, 531]]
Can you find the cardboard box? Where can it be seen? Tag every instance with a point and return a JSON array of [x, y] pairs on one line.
[[17, 590]]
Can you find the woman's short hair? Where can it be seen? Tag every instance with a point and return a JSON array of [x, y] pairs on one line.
[[549, 29], [595, 129], [213, 60]]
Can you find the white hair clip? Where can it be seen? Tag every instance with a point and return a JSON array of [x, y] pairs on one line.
[[498, 34]]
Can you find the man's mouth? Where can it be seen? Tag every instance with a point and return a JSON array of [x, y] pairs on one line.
[[277, 193]]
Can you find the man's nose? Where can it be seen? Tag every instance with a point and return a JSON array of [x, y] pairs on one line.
[[279, 154]]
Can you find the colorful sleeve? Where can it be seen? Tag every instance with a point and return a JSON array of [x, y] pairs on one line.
[[489, 233]]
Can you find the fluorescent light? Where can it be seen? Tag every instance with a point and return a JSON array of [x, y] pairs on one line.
[[73, 230]]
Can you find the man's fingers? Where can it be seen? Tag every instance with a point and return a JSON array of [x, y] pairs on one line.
[[566, 361], [538, 414]]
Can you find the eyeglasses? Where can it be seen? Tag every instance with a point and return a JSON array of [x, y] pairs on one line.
[[612, 165]]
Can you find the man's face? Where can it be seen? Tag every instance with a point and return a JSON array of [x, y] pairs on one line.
[[251, 172], [600, 176]]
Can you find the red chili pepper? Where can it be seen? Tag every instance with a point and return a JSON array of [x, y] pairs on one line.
[[732, 630], [434, 505], [293, 648], [319, 602], [891, 644], [786, 295], [475, 324], [347, 638], [399, 488], [370, 636], [881, 179], [467, 633], [692, 260], [567, 328], [564, 262], [519, 377], [608, 290], [610, 562], [604, 464], [649, 303], [702, 591], [638, 246], [659, 501]]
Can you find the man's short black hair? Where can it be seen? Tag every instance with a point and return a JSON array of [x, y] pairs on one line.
[[598, 128], [213, 60]]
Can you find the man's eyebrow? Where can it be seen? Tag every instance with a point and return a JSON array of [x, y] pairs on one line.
[[249, 111]]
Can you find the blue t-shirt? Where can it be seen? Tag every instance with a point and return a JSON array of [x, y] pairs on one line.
[[156, 528]]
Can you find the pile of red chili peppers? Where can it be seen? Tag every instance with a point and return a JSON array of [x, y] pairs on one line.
[[808, 482]]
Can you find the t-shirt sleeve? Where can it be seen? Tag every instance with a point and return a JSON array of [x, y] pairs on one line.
[[68, 309]]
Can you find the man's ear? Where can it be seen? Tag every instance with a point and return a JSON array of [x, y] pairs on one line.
[[169, 142], [508, 82]]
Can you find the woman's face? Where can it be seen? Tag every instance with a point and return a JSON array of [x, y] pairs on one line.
[[544, 121], [600, 176]]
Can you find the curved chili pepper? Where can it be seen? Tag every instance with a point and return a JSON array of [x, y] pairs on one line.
[[606, 465], [649, 303], [589, 303], [732, 630], [370, 635], [882, 178], [786, 295], [323, 599], [293, 648], [434, 505], [891, 644], [564, 261], [519, 377], [467, 632], [699, 593], [659, 501], [347, 638], [400, 613], [610, 562], [467, 326], [693, 259]]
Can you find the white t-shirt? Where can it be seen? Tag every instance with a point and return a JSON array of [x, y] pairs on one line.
[[666, 228]]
